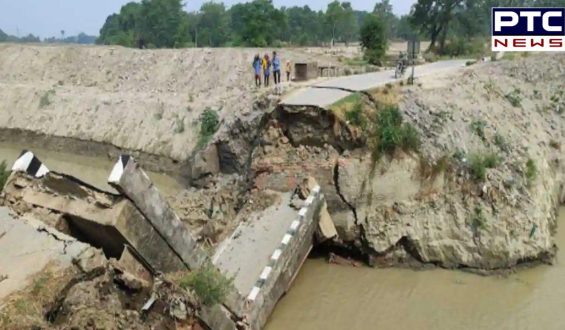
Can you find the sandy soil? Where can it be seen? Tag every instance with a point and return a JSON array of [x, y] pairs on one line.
[[135, 99]]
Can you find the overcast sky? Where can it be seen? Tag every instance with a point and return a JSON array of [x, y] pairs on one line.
[[47, 18]]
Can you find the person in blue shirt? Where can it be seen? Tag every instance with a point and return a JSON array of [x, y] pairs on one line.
[[276, 68], [257, 68]]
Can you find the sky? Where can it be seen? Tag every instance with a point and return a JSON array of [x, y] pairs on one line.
[[46, 18]]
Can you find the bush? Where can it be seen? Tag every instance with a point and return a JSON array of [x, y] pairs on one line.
[[531, 170], [464, 47], [514, 98], [478, 127], [374, 39], [209, 124], [478, 220], [355, 115], [4, 174], [391, 133], [478, 164], [500, 142], [208, 284]]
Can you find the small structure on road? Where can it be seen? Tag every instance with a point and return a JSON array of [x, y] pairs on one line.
[[305, 71]]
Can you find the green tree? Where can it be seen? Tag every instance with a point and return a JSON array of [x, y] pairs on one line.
[[374, 39], [257, 23], [383, 10], [348, 28], [161, 22], [334, 16], [304, 26], [213, 24], [123, 28]]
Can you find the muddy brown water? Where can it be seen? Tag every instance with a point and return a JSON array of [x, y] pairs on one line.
[[92, 170], [337, 297]]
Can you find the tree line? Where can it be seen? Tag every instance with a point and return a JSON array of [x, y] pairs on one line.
[[450, 25], [164, 23]]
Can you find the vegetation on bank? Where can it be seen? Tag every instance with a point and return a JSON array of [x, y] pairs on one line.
[[209, 284], [209, 124], [480, 162], [531, 171], [391, 133]]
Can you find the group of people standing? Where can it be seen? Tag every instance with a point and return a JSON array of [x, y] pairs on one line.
[[266, 65]]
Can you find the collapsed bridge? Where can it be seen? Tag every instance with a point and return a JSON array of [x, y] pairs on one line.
[[263, 255]]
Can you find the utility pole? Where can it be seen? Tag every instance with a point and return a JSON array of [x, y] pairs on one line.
[[413, 51]]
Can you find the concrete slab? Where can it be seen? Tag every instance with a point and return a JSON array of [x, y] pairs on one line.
[[320, 97], [128, 178], [105, 221], [28, 247], [248, 251]]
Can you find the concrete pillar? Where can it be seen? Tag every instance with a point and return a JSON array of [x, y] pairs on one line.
[[129, 179]]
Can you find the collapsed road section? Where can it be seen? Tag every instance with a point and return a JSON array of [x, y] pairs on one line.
[[137, 227]]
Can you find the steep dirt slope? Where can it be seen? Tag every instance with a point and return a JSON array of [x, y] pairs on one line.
[[147, 100]]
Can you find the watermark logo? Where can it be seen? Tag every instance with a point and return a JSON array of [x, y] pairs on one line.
[[528, 29]]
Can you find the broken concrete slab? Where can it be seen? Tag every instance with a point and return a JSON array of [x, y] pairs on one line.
[[106, 221], [326, 227], [285, 262], [43, 247], [244, 255], [128, 178]]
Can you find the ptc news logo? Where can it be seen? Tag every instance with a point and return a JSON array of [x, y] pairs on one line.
[[528, 29]]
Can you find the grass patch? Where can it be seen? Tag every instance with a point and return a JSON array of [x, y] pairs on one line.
[[356, 117], [26, 308], [515, 98], [478, 220], [208, 284], [347, 102], [391, 133], [531, 171], [45, 99], [433, 169], [501, 143], [4, 174], [209, 124], [358, 61], [479, 163], [478, 127]]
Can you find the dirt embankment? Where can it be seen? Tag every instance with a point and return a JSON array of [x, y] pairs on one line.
[[479, 192], [142, 100]]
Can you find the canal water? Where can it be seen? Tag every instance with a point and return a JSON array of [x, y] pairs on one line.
[[329, 297], [92, 170]]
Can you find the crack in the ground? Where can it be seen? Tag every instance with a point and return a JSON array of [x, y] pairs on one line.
[[65, 242], [340, 194]]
